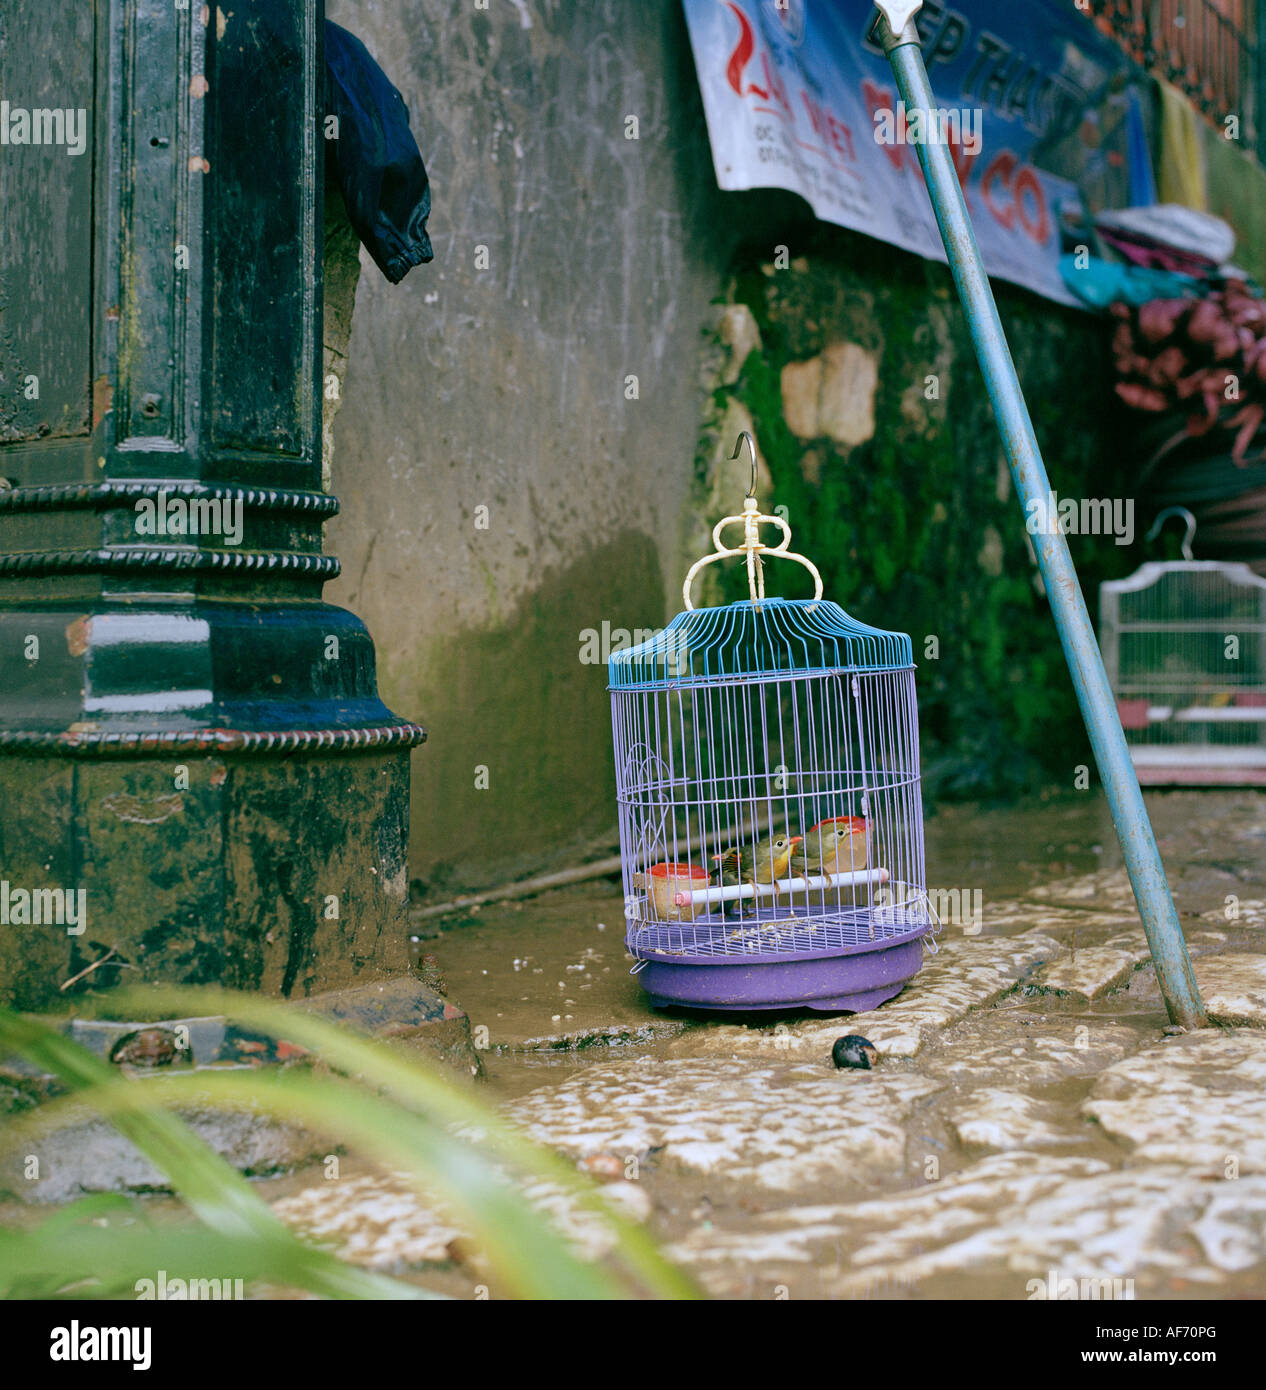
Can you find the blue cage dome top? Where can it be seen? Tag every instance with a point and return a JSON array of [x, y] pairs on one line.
[[770, 638]]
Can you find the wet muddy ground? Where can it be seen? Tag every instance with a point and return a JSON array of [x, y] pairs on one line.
[[1031, 1121], [1034, 1125]]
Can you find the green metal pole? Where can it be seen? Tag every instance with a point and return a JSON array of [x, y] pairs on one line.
[[192, 743], [1068, 607]]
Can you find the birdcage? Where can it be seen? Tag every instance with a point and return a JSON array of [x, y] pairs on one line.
[[771, 822], [1184, 644]]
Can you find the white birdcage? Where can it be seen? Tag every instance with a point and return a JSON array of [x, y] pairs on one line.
[[1184, 644]]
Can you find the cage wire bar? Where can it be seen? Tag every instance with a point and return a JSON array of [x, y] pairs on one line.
[[899, 36]]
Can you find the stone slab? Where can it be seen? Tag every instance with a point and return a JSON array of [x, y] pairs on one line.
[[966, 973], [1108, 890], [778, 1127], [403, 1009], [1017, 1049], [1198, 1099], [1233, 986], [1091, 971], [995, 1120], [381, 1221], [1000, 1229], [86, 1154]]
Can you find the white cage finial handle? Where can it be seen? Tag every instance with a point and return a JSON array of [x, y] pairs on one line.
[[1163, 517], [751, 546]]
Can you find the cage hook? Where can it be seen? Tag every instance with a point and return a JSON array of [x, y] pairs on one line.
[[1163, 517], [753, 551], [751, 448]]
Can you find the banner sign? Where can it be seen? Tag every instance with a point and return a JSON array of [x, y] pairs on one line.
[[798, 95]]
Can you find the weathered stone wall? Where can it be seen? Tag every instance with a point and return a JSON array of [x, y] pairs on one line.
[[502, 493], [506, 389]]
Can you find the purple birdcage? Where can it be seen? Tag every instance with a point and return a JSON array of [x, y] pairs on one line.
[[771, 818]]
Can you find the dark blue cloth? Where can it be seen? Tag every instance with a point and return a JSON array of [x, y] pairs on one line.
[[375, 158]]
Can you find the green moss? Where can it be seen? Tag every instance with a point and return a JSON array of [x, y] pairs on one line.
[[506, 700]]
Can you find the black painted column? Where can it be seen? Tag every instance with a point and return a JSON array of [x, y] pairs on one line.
[[192, 745]]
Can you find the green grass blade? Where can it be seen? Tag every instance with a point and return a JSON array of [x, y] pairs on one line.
[[212, 1189], [426, 1091], [521, 1244], [86, 1261]]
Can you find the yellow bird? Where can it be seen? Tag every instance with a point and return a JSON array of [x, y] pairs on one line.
[[768, 863], [839, 845]]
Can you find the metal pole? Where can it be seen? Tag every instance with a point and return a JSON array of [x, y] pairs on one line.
[[900, 39]]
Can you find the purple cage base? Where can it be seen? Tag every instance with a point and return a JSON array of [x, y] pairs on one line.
[[849, 980]]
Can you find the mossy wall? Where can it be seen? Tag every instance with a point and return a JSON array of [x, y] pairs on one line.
[[917, 527]]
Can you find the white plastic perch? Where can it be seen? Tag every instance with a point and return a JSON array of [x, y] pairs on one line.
[[870, 878]]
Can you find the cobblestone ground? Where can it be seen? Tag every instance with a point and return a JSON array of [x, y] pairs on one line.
[[1033, 1118]]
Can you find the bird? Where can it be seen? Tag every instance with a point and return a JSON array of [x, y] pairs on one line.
[[835, 846], [726, 875], [854, 1051], [768, 863]]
